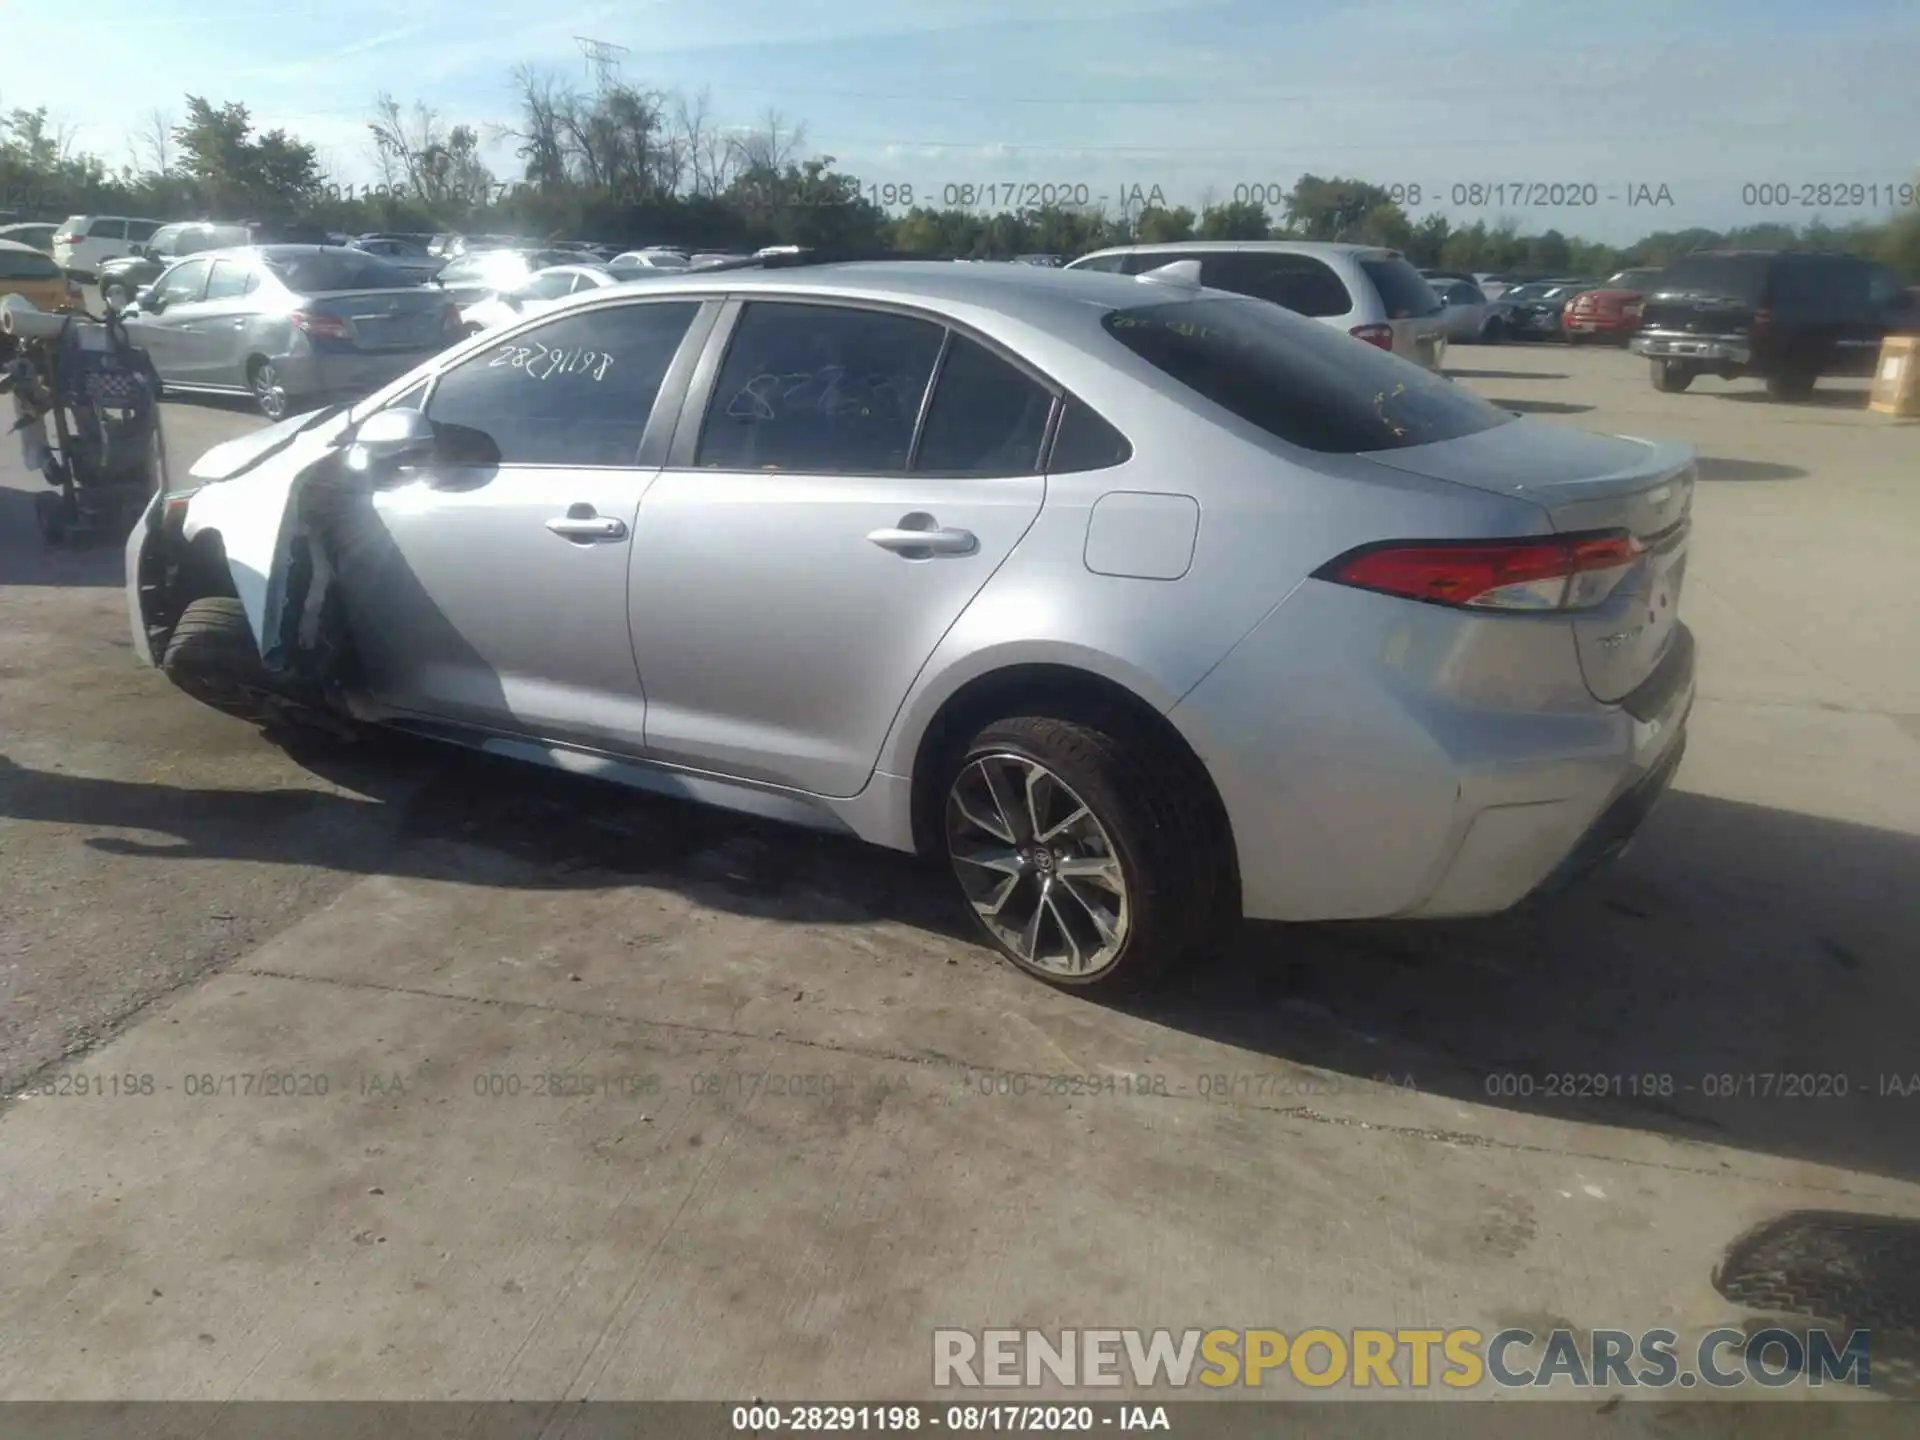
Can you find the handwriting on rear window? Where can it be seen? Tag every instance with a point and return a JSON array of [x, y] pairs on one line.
[[544, 362]]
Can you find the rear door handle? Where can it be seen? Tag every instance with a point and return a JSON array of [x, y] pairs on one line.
[[930, 542]]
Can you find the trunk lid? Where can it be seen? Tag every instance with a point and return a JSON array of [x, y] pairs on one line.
[[410, 318], [1586, 481]]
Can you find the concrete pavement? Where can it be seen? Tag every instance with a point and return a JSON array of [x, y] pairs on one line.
[[575, 1093]]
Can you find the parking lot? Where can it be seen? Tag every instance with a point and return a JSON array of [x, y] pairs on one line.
[[567, 1078]]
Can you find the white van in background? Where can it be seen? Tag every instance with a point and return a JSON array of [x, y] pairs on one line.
[[84, 241]]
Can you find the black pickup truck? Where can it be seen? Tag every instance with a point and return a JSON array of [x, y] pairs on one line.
[[1787, 317]]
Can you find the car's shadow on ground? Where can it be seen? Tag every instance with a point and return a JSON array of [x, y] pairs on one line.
[[1743, 976], [1824, 398], [1540, 407], [388, 800], [1504, 374], [1716, 467]]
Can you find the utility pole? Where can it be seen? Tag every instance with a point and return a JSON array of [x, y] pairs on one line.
[[603, 59]]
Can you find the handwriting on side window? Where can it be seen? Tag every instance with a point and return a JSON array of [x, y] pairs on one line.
[[831, 391], [543, 362]]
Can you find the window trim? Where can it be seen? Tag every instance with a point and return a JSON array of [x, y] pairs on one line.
[[693, 418], [247, 271], [661, 419]]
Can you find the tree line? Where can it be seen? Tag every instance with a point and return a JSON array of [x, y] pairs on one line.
[[624, 164]]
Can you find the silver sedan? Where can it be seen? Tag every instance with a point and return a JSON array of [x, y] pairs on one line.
[[1142, 607], [288, 324], [1467, 309]]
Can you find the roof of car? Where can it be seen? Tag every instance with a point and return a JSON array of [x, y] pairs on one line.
[[1038, 294], [1278, 247]]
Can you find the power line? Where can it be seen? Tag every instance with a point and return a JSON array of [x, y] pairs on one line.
[[603, 59]]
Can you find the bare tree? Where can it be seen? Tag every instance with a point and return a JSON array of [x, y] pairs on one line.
[[153, 143], [541, 137], [707, 159], [770, 147]]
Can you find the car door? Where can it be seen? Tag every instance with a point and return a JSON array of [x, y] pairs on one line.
[[167, 334], [220, 325], [105, 240], [487, 585], [812, 538]]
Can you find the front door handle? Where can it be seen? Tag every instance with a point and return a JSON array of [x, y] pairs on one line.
[[581, 523], [917, 543]]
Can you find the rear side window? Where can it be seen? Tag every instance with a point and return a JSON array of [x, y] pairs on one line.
[[1085, 441], [1301, 283], [819, 389], [107, 230], [987, 418], [1300, 382], [1403, 290], [231, 280]]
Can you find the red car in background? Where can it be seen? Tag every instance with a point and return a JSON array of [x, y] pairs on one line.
[[1611, 312]]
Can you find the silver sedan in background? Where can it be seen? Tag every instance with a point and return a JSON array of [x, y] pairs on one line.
[[288, 324]]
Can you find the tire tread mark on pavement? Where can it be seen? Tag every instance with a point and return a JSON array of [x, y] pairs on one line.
[[931, 1059]]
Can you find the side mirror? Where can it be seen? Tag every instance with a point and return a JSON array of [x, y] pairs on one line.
[[150, 301], [389, 438]]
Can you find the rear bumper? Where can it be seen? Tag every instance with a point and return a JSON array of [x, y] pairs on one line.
[[1672, 345], [1601, 325], [1609, 836]]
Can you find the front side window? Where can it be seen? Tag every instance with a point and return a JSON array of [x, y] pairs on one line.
[[819, 389], [184, 283], [987, 417], [577, 390], [1299, 381], [1109, 264], [141, 229]]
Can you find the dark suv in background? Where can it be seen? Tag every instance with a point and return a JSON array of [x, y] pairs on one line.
[[1787, 317]]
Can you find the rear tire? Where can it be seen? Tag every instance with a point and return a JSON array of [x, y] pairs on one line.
[[1111, 899], [268, 393], [1670, 377]]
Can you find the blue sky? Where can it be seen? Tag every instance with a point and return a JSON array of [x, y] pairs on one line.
[[1197, 97]]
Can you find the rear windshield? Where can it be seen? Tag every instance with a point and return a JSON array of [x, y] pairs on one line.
[[1737, 277], [1403, 290], [1302, 382], [27, 265], [337, 270]]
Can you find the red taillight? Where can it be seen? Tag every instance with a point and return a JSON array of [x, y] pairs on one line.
[[321, 327], [66, 239], [1530, 574], [1381, 335]]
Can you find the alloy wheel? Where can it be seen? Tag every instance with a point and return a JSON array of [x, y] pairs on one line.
[[1037, 865], [266, 390]]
